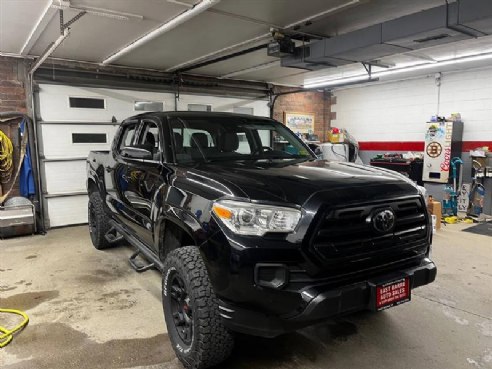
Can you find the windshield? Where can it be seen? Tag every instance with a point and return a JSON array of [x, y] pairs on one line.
[[234, 138]]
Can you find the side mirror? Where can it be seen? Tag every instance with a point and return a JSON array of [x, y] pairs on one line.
[[133, 152]]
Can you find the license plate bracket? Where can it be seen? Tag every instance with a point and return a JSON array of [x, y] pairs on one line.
[[392, 293]]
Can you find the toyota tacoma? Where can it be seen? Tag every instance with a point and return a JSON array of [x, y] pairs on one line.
[[253, 233]]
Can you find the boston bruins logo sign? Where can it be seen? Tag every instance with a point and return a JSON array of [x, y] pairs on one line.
[[434, 149]]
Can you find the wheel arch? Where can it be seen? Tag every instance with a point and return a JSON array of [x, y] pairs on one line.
[[174, 234]]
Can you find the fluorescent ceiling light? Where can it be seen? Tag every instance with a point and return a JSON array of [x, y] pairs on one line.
[[176, 21], [337, 81], [346, 75], [442, 63]]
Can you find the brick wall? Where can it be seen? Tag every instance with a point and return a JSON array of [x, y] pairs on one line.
[[314, 102], [12, 98], [12, 92]]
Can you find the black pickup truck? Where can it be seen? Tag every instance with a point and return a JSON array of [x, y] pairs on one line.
[[251, 231]]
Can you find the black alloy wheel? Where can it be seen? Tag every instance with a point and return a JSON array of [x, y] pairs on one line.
[[181, 309]]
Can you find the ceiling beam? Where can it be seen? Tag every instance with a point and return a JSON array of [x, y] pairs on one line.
[[100, 12], [275, 63], [223, 58], [218, 52], [261, 37], [163, 28], [50, 10], [51, 48], [264, 23], [325, 13], [46, 16]]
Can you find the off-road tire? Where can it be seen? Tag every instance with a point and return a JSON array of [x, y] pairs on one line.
[[98, 222], [211, 342]]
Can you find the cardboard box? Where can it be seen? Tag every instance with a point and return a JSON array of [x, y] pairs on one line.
[[435, 208]]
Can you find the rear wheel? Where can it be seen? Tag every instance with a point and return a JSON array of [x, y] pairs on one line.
[[98, 222], [191, 310]]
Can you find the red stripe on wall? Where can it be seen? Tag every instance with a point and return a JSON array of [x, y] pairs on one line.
[[470, 145], [391, 146]]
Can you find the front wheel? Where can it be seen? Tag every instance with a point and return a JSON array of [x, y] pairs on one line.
[[191, 310]]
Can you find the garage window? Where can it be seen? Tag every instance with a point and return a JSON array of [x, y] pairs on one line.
[[87, 102], [243, 110], [148, 106], [199, 107], [89, 138]]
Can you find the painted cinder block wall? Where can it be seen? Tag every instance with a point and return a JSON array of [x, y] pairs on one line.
[[391, 117]]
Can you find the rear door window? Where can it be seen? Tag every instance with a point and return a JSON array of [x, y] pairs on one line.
[[150, 139], [128, 136]]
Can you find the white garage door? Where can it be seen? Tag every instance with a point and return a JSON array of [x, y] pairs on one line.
[[64, 166], [76, 120]]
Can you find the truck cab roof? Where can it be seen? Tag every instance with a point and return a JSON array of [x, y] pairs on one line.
[[196, 114]]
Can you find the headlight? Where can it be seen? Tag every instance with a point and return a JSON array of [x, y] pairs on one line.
[[255, 220]]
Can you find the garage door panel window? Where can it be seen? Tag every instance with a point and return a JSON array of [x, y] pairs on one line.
[[243, 110], [148, 106], [199, 107], [86, 102], [89, 138]]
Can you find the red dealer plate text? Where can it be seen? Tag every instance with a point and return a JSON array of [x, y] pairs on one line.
[[392, 293]]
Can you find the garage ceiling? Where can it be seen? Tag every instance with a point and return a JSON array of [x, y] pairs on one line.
[[28, 27]]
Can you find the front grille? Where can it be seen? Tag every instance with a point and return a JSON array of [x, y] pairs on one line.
[[345, 242]]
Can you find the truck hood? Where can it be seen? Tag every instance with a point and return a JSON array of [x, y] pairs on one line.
[[296, 183]]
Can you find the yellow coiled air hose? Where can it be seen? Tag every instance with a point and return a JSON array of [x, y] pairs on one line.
[[6, 335], [6, 158]]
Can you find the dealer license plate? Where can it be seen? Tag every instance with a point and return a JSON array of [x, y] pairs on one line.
[[392, 293]]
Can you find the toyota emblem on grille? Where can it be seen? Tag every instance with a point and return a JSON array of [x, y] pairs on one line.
[[383, 221]]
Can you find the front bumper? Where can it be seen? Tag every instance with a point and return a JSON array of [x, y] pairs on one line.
[[325, 303]]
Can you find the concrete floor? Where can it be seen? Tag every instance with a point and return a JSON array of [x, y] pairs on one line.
[[88, 309]]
